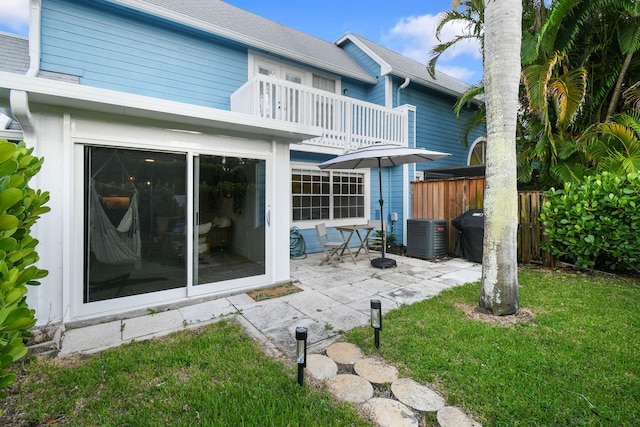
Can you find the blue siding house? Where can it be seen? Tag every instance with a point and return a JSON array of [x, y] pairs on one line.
[[182, 141]]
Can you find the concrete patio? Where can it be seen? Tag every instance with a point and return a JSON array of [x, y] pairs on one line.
[[332, 300]]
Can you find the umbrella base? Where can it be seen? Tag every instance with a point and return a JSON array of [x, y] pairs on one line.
[[383, 262]]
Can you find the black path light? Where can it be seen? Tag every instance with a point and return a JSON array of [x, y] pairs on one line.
[[301, 352], [376, 319]]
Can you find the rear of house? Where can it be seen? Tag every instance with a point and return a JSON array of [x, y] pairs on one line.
[[181, 143]]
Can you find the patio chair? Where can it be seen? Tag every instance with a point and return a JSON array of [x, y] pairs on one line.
[[374, 241], [330, 248]]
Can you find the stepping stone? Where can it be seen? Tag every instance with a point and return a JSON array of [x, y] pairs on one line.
[[416, 395], [390, 413], [376, 371], [344, 353], [450, 416], [321, 367], [351, 388]]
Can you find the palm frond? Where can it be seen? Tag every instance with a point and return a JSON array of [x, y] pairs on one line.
[[631, 96], [569, 91]]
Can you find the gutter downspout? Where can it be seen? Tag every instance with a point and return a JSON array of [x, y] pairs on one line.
[[406, 82], [19, 99]]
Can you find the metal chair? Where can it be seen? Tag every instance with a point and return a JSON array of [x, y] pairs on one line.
[[374, 241], [330, 248]]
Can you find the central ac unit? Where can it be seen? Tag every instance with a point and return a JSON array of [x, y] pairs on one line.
[[426, 238]]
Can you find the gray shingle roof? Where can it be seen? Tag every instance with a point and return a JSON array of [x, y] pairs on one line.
[[15, 53], [15, 58], [403, 66], [227, 20], [220, 18]]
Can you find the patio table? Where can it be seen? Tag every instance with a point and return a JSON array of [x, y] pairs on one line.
[[347, 232]]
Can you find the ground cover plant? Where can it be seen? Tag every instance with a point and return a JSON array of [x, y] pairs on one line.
[[573, 361], [215, 375]]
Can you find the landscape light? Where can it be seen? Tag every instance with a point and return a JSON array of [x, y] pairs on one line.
[[301, 352], [376, 319]]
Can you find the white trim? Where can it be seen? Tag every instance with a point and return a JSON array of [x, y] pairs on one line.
[[74, 306], [385, 67], [473, 146], [35, 49], [331, 222], [388, 91]]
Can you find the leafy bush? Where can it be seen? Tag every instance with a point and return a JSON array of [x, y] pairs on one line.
[[20, 207], [596, 223]]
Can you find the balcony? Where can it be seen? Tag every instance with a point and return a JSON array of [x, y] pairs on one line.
[[348, 123]]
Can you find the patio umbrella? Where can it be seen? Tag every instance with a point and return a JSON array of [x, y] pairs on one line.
[[381, 155]]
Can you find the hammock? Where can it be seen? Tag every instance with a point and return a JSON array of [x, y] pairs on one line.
[[115, 245]]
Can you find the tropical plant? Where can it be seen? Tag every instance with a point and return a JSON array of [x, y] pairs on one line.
[[596, 223], [573, 79], [20, 207], [615, 146]]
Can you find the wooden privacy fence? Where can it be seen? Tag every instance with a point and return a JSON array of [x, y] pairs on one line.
[[448, 198]]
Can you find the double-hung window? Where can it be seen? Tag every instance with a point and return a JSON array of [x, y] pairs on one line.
[[327, 195]]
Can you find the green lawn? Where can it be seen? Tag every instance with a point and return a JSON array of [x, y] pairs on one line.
[[213, 376], [576, 364]]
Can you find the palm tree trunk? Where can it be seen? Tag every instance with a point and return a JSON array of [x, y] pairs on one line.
[[618, 88], [503, 33]]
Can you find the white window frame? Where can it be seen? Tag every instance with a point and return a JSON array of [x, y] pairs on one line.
[[282, 68], [475, 143], [331, 221]]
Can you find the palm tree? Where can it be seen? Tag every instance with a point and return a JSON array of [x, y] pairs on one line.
[[572, 78], [502, 41], [614, 146]]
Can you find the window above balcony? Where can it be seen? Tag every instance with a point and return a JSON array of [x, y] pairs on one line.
[[272, 67]]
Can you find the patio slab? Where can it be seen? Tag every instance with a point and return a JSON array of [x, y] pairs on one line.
[[332, 299]]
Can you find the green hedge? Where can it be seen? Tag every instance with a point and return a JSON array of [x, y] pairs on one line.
[[595, 224], [20, 207]]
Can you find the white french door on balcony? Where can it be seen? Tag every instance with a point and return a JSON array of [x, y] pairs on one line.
[[277, 102]]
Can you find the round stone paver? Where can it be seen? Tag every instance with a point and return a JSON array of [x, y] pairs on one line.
[[376, 371], [321, 367], [344, 353], [351, 388], [416, 395], [390, 413], [450, 416]]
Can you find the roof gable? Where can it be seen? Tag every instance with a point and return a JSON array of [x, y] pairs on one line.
[[394, 63]]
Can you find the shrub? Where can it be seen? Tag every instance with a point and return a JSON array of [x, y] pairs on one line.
[[20, 207], [596, 223]]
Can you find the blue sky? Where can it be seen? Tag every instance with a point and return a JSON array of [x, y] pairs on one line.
[[405, 26]]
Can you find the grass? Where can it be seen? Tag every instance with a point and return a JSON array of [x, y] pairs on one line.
[[576, 364], [215, 375]]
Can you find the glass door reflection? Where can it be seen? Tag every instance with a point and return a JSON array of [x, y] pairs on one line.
[[229, 218]]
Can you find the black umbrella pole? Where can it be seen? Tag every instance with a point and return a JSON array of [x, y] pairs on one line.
[[382, 262]]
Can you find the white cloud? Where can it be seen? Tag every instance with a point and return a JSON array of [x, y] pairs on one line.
[[460, 73], [415, 37], [14, 16]]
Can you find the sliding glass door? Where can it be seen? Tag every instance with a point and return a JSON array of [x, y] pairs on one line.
[[138, 212], [134, 222], [229, 218]]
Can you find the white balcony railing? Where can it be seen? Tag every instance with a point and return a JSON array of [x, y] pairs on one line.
[[348, 123]]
